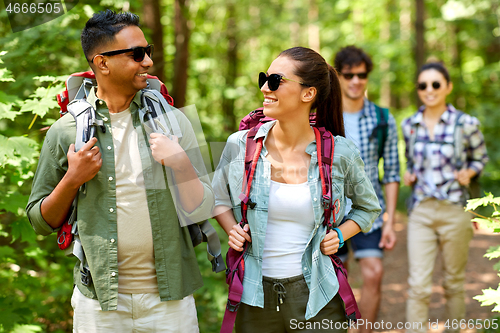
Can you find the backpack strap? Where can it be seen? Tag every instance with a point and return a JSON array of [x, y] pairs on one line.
[[252, 152], [235, 260], [153, 102], [411, 145], [325, 149], [381, 130]]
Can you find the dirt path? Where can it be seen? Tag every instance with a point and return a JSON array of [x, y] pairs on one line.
[[479, 275]]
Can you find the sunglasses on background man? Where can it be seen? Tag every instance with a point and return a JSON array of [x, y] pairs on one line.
[[350, 76]]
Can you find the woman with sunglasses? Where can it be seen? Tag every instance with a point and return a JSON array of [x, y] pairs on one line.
[[439, 172], [289, 280]]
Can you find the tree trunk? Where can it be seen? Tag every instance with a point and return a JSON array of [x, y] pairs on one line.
[[313, 28], [152, 20], [419, 37], [385, 63], [232, 69], [181, 60]]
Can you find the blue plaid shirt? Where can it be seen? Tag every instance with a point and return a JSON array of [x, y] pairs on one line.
[[368, 147], [444, 186], [348, 176]]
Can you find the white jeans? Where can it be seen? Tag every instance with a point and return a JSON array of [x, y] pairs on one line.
[[136, 313]]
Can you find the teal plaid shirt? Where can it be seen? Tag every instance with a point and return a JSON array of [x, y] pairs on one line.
[[348, 178], [368, 148]]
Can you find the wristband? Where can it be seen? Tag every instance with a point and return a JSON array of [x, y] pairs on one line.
[[341, 237]]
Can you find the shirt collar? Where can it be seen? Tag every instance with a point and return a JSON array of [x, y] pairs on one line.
[[264, 132], [445, 117], [98, 103]]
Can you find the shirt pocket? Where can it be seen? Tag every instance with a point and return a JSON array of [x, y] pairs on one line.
[[338, 195]]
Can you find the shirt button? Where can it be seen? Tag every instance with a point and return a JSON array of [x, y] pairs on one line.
[[315, 199], [113, 274], [105, 118], [305, 268], [110, 178], [112, 240], [310, 176], [109, 147], [111, 210]]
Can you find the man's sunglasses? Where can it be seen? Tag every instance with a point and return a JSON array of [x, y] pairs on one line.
[[139, 52], [349, 76], [423, 85], [274, 80]]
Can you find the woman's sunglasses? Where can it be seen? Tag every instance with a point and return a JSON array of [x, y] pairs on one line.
[[274, 80], [139, 52], [423, 85]]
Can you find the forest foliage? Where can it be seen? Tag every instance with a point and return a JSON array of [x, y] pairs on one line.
[[229, 44]]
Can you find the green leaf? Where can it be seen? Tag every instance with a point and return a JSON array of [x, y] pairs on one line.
[[489, 297], [22, 229], [6, 111], [6, 251], [16, 149], [487, 223], [493, 252], [48, 78], [6, 75], [27, 329], [474, 203], [12, 201]]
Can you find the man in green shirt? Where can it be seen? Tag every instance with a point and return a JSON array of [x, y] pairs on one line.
[[142, 262]]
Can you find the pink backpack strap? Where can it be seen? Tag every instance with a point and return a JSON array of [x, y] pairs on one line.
[[235, 263], [325, 148]]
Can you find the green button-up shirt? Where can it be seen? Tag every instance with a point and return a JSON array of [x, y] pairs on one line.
[[177, 270]]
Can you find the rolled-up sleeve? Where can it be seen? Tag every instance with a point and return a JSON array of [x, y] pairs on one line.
[[391, 155], [190, 145], [220, 182], [365, 204], [48, 174]]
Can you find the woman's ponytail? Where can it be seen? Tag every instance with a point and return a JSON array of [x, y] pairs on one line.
[[316, 72], [329, 112]]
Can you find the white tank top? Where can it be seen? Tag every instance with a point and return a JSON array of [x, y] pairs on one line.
[[289, 225]]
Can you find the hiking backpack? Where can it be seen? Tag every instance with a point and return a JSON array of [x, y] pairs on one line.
[[155, 101], [235, 260]]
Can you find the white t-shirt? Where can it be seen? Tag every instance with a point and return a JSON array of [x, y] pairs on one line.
[[289, 226]]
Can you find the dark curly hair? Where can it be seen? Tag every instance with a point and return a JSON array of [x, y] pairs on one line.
[[102, 27], [352, 56]]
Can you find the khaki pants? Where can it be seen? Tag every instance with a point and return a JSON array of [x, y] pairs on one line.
[[437, 226], [135, 313]]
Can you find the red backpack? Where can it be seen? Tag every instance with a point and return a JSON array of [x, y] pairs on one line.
[[235, 262]]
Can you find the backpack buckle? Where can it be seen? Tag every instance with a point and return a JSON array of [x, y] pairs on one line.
[[232, 307], [86, 277], [326, 202]]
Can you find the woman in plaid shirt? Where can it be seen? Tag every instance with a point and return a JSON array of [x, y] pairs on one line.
[[440, 175], [289, 282]]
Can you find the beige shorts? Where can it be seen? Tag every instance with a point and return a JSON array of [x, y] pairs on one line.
[[135, 313]]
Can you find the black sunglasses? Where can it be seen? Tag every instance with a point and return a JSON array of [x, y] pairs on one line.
[[349, 76], [139, 52], [274, 81], [423, 85]]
